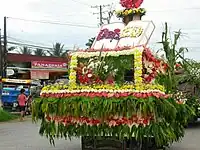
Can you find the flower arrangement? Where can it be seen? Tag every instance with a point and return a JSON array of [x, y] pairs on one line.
[[131, 3], [133, 32], [130, 12], [131, 8], [152, 66], [106, 34]]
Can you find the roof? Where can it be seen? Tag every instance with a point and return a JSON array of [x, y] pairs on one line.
[[29, 58]]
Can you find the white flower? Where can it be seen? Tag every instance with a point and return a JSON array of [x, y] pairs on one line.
[[106, 67], [89, 75]]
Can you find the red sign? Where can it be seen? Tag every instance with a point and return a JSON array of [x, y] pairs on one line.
[[39, 74], [48, 64]]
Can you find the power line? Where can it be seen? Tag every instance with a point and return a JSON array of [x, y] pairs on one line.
[[51, 22], [25, 41], [81, 3]]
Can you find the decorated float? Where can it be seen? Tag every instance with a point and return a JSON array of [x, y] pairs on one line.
[[113, 99]]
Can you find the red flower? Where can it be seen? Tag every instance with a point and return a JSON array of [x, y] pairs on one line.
[[137, 3], [178, 65], [117, 30], [127, 4], [48, 118]]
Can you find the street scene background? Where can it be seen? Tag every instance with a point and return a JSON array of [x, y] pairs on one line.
[[24, 136]]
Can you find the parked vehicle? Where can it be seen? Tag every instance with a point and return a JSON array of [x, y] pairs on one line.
[[11, 89]]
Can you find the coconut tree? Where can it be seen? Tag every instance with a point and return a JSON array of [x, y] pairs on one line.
[[25, 50], [90, 42], [58, 50], [39, 52]]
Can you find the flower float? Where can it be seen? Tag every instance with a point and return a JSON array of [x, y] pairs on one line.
[[98, 99], [113, 92]]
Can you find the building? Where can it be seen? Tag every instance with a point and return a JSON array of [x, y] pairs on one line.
[[25, 66]]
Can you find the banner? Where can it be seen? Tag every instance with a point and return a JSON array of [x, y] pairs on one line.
[[48, 64], [35, 74]]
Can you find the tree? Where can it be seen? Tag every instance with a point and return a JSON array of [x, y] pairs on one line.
[[25, 50], [90, 42], [58, 50], [11, 48], [39, 52]]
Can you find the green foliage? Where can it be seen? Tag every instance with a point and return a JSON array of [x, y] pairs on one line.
[[194, 104], [6, 116], [172, 55], [90, 42], [167, 126], [39, 52], [58, 50], [25, 50]]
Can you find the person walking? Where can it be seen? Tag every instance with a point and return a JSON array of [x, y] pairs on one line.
[[22, 103]]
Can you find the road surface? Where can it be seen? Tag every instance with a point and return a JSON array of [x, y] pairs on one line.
[[24, 136]]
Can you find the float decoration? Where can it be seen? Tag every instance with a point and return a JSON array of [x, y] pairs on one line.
[[131, 8], [112, 92]]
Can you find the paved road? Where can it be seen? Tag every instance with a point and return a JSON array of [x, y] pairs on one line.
[[24, 136]]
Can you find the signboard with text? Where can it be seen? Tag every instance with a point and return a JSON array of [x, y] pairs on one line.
[[115, 35], [48, 64], [108, 36]]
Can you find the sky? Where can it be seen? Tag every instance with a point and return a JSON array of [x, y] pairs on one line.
[[77, 23]]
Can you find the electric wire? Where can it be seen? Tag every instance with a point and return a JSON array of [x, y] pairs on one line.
[[51, 22]]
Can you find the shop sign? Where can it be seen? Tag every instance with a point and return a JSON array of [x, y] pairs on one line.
[[48, 64]]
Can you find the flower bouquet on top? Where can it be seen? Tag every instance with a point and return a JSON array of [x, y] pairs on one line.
[[131, 8]]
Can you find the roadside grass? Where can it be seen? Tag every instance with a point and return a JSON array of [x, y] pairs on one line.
[[6, 116]]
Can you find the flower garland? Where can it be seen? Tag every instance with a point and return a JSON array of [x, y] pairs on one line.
[[111, 121], [137, 52], [130, 12], [92, 94], [138, 67], [85, 54], [133, 32], [72, 75], [106, 87]]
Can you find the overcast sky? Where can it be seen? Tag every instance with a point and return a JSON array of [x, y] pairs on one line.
[[180, 14]]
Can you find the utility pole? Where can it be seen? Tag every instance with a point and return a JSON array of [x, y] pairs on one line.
[[101, 12], [1, 70], [1, 57], [5, 52]]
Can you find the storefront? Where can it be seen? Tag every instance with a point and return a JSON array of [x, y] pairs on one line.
[[37, 67]]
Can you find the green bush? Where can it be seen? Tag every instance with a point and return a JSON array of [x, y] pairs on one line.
[[6, 116]]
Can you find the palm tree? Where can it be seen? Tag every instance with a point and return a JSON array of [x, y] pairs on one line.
[[90, 42], [39, 52], [25, 50], [58, 50], [11, 48]]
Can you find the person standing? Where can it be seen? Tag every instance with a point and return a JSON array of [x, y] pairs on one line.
[[22, 103]]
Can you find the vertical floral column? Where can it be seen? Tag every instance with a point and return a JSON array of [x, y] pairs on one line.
[[138, 66], [72, 75]]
